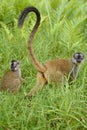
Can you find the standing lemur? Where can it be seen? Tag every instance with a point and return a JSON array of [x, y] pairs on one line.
[[53, 70]]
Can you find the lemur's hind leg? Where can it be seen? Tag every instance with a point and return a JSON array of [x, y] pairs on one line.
[[39, 85]]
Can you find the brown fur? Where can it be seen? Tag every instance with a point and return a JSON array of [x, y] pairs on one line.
[[51, 71]]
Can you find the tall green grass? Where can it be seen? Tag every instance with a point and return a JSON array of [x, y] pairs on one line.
[[63, 31]]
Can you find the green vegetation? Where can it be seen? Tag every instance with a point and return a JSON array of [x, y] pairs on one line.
[[63, 31]]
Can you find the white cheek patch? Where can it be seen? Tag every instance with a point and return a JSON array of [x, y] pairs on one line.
[[74, 60], [17, 67], [82, 60]]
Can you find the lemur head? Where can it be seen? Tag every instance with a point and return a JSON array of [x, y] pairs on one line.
[[14, 65], [77, 58]]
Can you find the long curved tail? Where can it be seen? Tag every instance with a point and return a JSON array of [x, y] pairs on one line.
[[39, 67]]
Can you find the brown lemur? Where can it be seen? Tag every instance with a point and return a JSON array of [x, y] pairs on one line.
[[12, 78], [53, 70]]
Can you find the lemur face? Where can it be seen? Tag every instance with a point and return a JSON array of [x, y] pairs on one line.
[[14, 65], [77, 58]]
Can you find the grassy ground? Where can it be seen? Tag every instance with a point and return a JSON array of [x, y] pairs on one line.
[[63, 31]]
